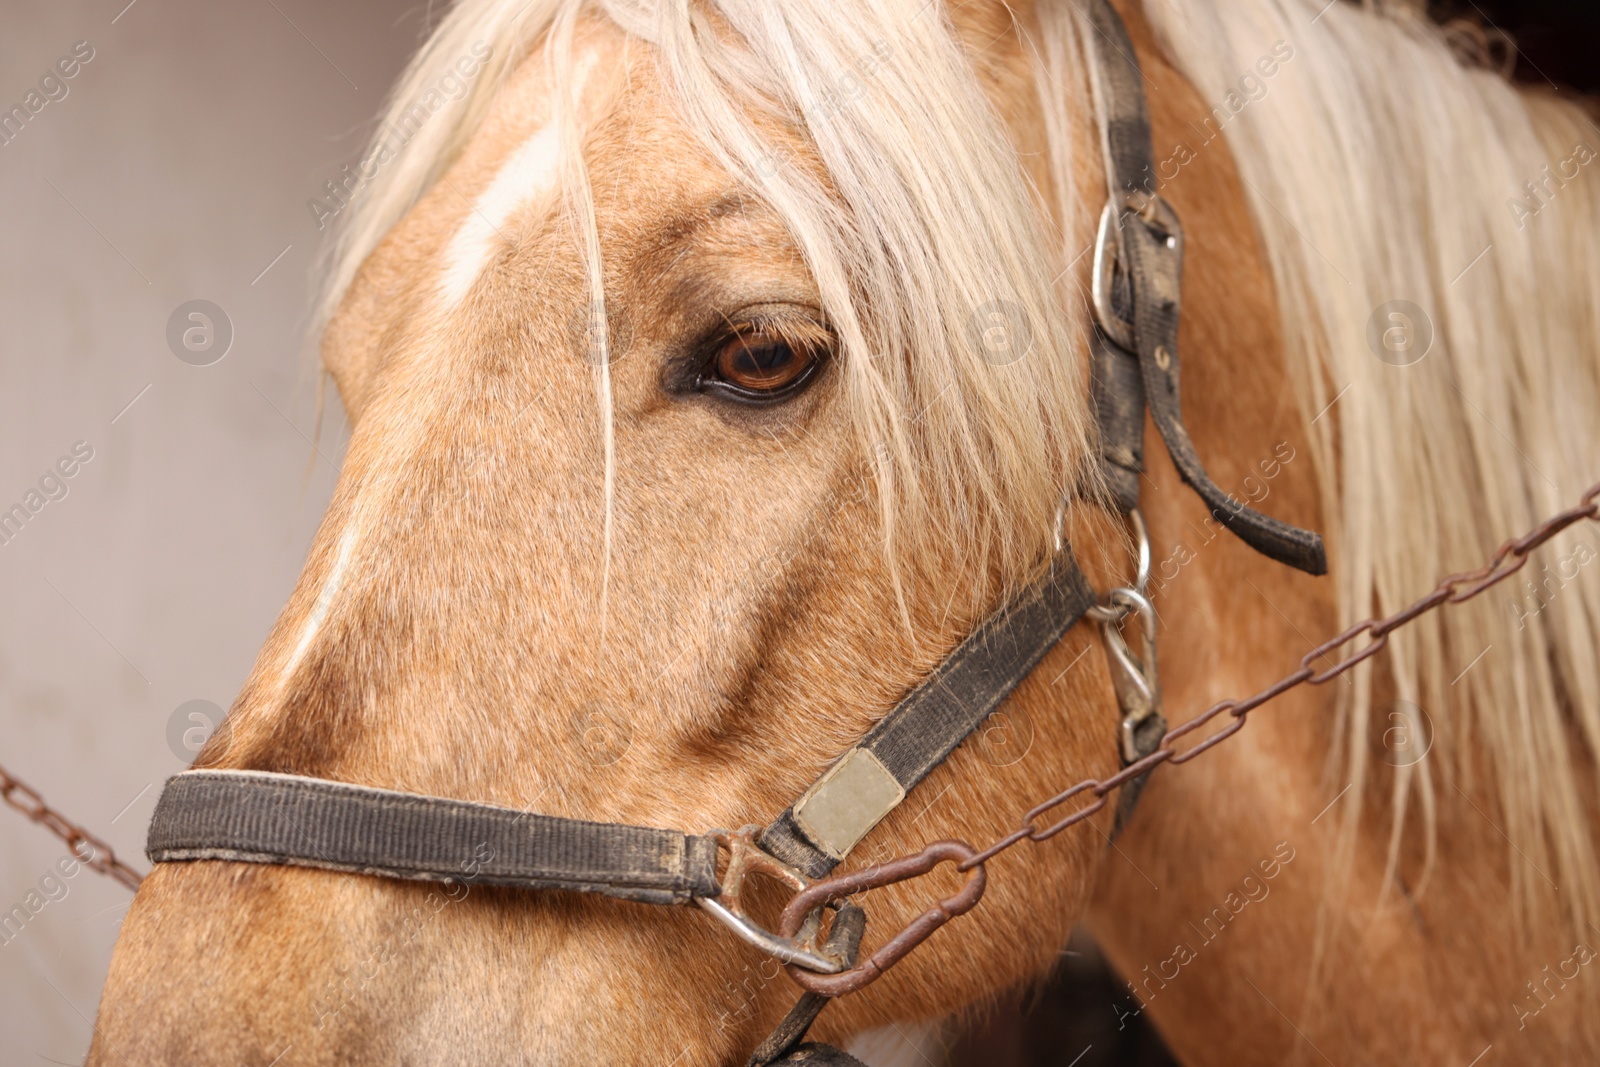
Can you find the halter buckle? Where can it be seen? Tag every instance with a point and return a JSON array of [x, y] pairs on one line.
[[1151, 211], [1107, 254]]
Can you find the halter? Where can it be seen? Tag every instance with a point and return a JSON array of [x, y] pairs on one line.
[[290, 820]]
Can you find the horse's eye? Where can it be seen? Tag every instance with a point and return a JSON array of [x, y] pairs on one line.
[[759, 364]]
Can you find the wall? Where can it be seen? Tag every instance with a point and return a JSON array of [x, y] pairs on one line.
[[176, 167]]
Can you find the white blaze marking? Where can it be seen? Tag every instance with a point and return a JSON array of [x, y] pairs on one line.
[[330, 589], [529, 172], [533, 170]]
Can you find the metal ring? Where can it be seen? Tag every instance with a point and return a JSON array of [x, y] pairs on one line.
[[1111, 610], [744, 856], [786, 949], [1136, 602], [1141, 580], [1106, 241]]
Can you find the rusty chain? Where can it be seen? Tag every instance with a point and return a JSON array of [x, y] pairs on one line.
[[99, 855], [1508, 560]]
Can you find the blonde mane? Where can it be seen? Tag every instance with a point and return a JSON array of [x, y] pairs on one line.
[[1379, 169]]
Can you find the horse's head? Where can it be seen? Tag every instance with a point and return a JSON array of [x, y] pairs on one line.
[[685, 445]]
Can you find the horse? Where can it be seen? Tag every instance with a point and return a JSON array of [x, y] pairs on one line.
[[679, 456]]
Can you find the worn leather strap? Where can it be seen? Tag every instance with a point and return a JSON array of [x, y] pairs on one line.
[[1156, 261], [1117, 391], [1150, 262], [262, 817], [940, 713], [1116, 381], [1119, 93]]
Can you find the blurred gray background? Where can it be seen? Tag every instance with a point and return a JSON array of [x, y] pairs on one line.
[[176, 167]]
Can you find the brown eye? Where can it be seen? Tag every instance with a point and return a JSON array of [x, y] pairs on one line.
[[762, 364]]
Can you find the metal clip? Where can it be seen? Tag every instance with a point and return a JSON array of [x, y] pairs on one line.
[[805, 904], [744, 856], [1136, 679]]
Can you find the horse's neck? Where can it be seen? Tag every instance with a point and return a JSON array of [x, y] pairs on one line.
[[1183, 908]]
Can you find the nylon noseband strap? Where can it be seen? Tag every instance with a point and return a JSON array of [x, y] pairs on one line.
[[870, 780], [260, 817]]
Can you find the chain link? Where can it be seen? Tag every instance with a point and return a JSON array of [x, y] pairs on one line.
[[93, 852]]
